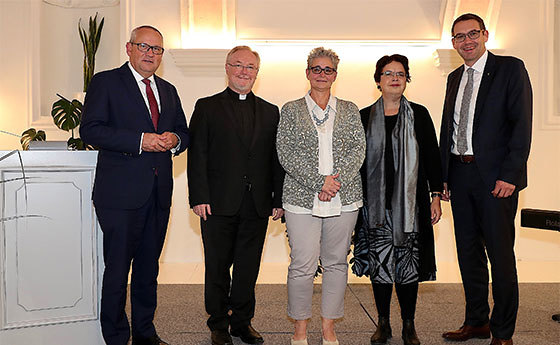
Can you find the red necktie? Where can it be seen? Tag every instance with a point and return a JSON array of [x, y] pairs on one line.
[[153, 103]]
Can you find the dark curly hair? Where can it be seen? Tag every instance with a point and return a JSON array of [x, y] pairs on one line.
[[387, 59]]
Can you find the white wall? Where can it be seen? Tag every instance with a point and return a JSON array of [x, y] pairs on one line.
[[281, 79]]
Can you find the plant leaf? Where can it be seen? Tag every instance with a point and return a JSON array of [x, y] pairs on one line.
[[79, 144], [31, 135], [90, 42], [66, 115]]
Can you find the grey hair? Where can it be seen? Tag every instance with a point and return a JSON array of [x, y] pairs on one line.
[[322, 52], [135, 31], [238, 48]]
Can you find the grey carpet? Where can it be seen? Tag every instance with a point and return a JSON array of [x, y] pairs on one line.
[[181, 319]]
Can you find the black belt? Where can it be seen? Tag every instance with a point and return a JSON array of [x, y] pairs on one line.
[[463, 158]]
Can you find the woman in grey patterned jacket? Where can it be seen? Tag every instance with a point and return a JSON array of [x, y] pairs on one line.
[[321, 145]]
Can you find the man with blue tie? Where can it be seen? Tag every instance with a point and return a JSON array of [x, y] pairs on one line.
[[484, 141], [136, 120]]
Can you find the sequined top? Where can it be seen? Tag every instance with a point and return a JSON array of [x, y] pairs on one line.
[[298, 152]]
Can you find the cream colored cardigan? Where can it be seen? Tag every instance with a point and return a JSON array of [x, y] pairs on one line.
[[297, 144]]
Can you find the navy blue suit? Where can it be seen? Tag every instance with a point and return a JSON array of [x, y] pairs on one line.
[[484, 225], [131, 194]]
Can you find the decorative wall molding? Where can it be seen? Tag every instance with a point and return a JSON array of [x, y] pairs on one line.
[[82, 3], [448, 59], [548, 87], [33, 56], [200, 62], [489, 10], [556, 57], [199, 27], [364, 20], [128, 12]]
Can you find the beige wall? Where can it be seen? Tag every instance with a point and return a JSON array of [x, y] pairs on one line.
[[281, 78]]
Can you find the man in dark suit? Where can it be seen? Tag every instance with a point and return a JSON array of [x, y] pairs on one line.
[[235, 184], [484, 142], [136, 120]]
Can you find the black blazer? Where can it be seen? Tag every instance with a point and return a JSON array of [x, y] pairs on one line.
[[502, 121], [220, 164], [114, 118]]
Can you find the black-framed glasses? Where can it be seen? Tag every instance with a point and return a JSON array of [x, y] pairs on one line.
[[473, 35], [145, 47], [318, 70], [239, 67], [389, 73]]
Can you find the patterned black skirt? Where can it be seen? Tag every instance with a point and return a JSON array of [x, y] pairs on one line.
[[391, 264]]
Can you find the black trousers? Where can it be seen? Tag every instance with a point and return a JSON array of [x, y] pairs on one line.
[[135, 236], [232, 240], [484, 229]]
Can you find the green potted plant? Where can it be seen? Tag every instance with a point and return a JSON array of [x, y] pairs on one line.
[[90, 42], [67, 114]]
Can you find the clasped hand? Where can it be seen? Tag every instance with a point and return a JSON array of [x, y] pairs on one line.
[[153, 142], [501, 190], [330, 187]]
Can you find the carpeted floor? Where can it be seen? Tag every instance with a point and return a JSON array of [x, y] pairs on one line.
[[181, 319]]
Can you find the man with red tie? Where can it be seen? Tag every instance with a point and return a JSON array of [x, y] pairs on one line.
[[136, 120]]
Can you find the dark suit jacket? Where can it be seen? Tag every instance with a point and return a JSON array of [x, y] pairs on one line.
[[114, 118], [502, 121], [220, 164]]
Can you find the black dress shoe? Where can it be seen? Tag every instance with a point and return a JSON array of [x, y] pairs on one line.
[[221, 337], [383, 331], [153, 340], [248, 335]]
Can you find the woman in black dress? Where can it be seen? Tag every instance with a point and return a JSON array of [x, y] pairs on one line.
[[402, 187]]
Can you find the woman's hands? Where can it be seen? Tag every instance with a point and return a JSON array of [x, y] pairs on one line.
[[330, 187]]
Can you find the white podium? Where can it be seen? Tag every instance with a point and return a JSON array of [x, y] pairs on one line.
[[50, 250]]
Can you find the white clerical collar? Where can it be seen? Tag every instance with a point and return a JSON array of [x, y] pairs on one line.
[[242, 97]]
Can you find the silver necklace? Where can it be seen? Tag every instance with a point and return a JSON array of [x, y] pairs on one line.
[[324, 119]]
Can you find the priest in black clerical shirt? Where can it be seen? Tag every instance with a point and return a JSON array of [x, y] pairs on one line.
[[235, 184]]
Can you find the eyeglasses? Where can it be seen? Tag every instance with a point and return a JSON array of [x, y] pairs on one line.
[[389, 73], [473, 35], [318, 70], [144, 48], [239, 67]]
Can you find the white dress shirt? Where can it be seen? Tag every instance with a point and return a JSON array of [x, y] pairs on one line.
[[144, 93], [477, 77]]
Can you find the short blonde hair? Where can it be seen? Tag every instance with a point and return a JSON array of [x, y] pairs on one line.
[[322, 52], [238, 48]]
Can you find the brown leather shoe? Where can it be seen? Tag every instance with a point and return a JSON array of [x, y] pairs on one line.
[[467, 332], [383, 331], [497, 341], [409, 333]]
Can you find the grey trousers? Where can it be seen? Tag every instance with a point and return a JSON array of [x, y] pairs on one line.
[[310, 238]]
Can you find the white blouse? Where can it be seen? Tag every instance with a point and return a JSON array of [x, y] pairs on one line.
[[326, 165]]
